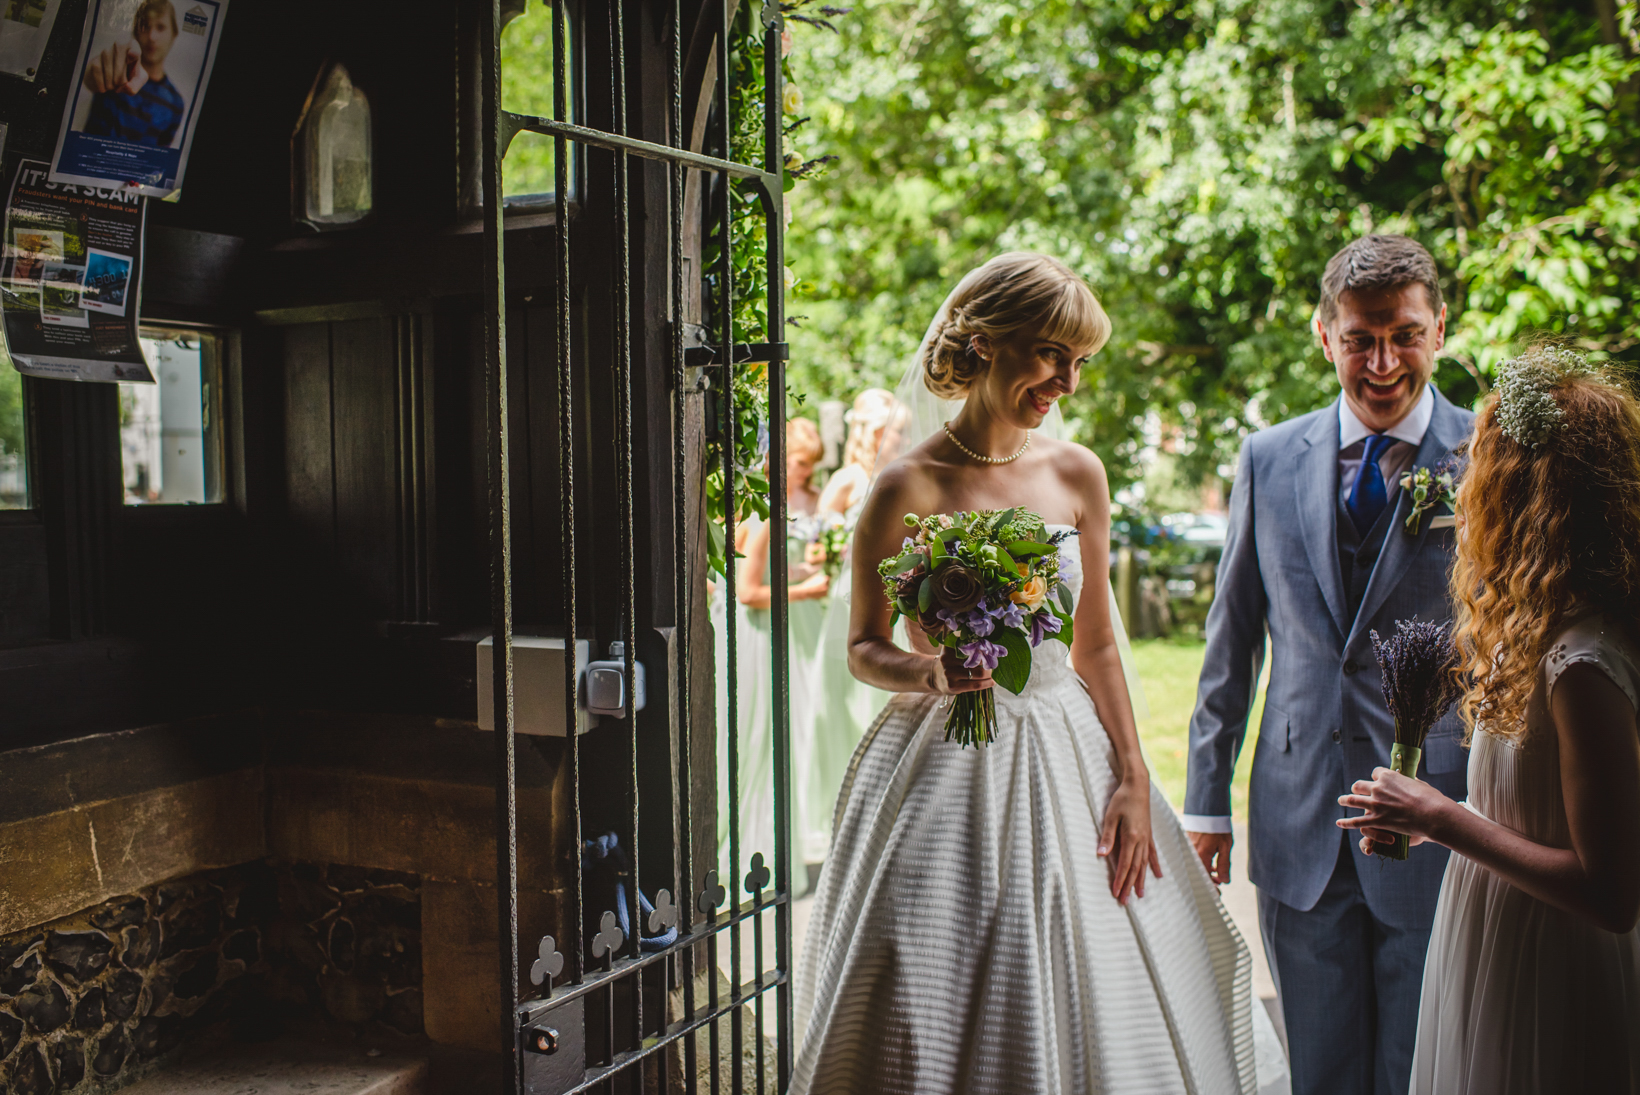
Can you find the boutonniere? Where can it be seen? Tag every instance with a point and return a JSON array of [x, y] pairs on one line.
[[1429, 489]]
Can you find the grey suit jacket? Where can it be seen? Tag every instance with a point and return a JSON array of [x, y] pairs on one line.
[[1325, 724]]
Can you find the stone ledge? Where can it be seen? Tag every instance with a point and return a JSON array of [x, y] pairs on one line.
[[288, 1068], [58, 864]]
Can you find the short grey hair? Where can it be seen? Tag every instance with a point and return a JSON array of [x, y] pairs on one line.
[[1378, 263]]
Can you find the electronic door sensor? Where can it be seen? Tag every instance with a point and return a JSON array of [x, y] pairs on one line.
[[603, 684]]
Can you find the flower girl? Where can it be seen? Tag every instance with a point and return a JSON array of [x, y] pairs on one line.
[[1532, 982]]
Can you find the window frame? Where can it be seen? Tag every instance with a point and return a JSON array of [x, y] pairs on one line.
[[520, 205], [216, 345]]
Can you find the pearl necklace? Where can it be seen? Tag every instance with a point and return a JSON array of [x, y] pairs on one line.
[[988, 459]]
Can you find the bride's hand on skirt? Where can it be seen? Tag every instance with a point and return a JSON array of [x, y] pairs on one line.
[[1392, 804], [1125, 841]]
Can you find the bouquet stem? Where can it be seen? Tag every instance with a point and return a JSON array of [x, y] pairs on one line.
[[1404, 759], [973, 719]]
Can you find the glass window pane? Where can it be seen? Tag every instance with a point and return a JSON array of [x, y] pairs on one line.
[[13, 462], [169, 440], [530, 166]]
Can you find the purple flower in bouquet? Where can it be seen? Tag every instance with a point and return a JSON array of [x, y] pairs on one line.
[[982, 621], [978, 583], [1044, 624], [981, 652]]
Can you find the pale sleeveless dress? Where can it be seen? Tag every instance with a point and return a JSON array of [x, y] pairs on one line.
[[964, 937], [1520, 997], [844, 709], [754, 646]]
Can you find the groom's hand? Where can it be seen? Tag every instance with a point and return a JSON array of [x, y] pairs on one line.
[[1214, 848]]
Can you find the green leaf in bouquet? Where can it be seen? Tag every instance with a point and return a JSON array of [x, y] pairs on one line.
[[1067, 626], [1015, 668], [894, 617], [925, 595], [1066, 599], [937, 550], [1002, 518], [907, 564], [1024, 549]]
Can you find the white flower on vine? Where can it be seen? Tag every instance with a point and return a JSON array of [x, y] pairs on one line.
[[791, 278], [793, 99]]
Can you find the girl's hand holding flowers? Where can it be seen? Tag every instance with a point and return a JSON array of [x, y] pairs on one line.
[[811, 588], [1393, 804]]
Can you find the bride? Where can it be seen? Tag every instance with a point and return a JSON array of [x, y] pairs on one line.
[[1028, 916]]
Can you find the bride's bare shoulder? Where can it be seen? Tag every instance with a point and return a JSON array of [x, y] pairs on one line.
[[909, 484], [1076, 464]]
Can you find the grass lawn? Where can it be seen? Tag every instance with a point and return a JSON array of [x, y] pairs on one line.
[[1168, 669]]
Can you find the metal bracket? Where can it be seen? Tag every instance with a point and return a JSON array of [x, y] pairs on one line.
[[744, 352]]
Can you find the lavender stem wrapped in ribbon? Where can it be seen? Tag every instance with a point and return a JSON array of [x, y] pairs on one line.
[[1418, 664]]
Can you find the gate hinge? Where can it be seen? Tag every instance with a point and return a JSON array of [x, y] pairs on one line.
[[745, 352]]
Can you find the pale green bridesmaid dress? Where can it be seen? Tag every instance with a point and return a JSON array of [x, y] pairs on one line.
[[755, 709]]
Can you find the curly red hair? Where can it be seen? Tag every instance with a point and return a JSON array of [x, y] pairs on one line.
[[1549, 534]]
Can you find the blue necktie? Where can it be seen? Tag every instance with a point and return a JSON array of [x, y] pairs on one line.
[[1369, 495]]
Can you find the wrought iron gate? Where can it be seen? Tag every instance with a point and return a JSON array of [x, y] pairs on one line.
[[619, 1012]]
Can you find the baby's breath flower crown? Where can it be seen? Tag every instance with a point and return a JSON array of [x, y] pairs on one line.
[[1527, 410]]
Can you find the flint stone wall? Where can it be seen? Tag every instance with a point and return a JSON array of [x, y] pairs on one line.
[[93, 1000]]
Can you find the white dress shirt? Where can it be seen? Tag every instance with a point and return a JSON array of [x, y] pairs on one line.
[[1395, 462]]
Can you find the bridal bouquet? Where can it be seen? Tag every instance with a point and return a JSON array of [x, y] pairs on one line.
[[987, 585], [1417, 664]]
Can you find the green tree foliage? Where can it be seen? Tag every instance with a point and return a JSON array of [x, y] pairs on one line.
[[11, 409], [1199, 161]]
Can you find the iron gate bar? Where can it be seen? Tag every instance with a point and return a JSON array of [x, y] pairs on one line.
[[774, 257], [598, 138], [500, 500], [533, 1011], [730, 446], [674, 1031], [702, 357], [683, 589], [566, 474]]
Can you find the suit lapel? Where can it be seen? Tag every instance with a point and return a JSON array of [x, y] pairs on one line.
[[1446, 432], [1316, 485]]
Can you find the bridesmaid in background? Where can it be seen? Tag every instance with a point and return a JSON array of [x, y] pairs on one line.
[[845, 707], [806, 592], [1532, 981]]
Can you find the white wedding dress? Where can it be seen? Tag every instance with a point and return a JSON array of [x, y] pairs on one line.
[[1519, 997], [964, 937]]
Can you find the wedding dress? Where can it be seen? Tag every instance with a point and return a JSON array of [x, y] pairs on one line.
[[1519, 997], [964, 937]]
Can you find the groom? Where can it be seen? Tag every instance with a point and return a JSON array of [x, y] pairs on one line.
[[1317, 556]]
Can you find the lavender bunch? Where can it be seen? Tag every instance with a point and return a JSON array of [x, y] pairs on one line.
[[1418, 665]]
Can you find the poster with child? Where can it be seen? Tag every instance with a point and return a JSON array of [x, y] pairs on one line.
[[135, 100]]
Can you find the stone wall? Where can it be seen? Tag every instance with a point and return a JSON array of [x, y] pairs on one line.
[[346, 946], [99, 995]]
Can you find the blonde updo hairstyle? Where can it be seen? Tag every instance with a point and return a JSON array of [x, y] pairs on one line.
[[1013, 292]]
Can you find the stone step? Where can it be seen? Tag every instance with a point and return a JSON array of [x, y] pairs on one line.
[[288, 1068]]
